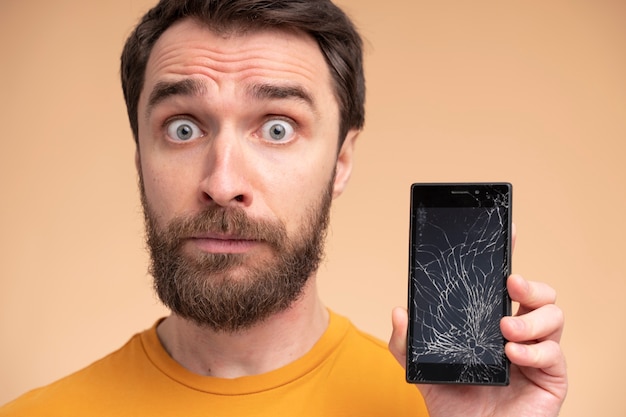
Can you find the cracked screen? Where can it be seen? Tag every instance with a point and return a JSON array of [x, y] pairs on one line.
[[459, 263]]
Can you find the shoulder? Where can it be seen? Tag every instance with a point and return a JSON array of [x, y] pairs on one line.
[[365, 371], [361, 345]]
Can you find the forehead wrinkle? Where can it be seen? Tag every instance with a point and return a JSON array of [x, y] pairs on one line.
[[229, 54]]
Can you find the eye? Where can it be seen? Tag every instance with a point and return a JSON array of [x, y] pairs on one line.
[[183, 130], [277, 130]]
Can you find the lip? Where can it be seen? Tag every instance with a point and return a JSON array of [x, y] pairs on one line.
[[216, 243]]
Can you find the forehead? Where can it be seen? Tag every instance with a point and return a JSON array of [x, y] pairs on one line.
[[237, 61]]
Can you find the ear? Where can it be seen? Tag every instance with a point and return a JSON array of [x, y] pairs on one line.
[[343, 168]]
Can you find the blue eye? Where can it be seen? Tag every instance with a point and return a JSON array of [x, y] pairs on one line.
[[183, 130], [277, 130]]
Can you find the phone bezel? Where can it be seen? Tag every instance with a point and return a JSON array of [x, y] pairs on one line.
[[456, 195]]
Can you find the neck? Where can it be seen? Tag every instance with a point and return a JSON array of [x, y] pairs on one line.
[[269, 345]]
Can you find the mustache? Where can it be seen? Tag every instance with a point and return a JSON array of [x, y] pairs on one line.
[[232, 221]]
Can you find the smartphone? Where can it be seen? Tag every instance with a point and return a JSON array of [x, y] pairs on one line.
[[459, 261]]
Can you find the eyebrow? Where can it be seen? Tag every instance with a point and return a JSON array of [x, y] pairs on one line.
[[165, 89], [280, 92], [193, 87]]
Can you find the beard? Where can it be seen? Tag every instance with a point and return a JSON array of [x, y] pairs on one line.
[[230, 292]]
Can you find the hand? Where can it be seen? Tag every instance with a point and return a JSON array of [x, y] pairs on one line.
[[538, 373]]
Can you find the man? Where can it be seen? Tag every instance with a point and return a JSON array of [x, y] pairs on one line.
[[245, 115]]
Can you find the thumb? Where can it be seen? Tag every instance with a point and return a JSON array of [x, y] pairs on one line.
[[397, 342]]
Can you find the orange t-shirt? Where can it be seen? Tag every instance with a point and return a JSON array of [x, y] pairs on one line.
[[347, 373]]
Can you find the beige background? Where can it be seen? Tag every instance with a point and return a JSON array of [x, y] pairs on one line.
[[532, 92]]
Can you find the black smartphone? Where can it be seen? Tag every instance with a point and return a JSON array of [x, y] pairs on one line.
[[459, 261]]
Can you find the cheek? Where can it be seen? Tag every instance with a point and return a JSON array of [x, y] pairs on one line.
[[304, 190], [161, 191]]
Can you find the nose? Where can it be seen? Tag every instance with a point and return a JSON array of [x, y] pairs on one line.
[[225, 177]]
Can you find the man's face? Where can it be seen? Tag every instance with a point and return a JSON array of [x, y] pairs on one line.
[[238, 159]]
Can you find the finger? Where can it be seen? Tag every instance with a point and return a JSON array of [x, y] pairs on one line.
[[397, 342], [529, 294], [544, 323], [546, 356]]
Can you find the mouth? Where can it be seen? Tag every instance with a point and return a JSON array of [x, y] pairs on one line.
[[223, 244]]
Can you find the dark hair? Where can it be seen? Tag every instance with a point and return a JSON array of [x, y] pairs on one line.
[[335, 34]]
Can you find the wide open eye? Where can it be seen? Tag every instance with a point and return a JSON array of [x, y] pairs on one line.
[[183, 130], [277, 130]]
